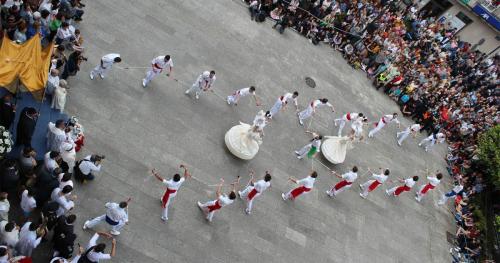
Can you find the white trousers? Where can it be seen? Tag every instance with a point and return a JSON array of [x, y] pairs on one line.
[[233, 99], [151, 74], [304, 150], [306, 113], [365, 187], [194, 88], [333, 192], [392, 190], [379, 127], [341, 123], [94, 222], [276, 107], [244, 196], [204, 207], [101, 71], [402, 135]]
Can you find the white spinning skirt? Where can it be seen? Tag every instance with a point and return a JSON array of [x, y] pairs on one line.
[[335, 148], [242, 142]]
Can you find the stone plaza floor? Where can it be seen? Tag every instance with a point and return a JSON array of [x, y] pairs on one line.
[[160, 127]]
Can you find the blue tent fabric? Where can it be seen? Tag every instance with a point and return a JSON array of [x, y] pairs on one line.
[[47, 114]]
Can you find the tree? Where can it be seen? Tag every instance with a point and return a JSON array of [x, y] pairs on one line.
[[489, 154]]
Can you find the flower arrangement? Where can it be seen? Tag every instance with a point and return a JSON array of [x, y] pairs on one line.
[[5, 141]]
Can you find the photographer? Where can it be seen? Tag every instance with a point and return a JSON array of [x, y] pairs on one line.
[[72, 66], [84, 168]]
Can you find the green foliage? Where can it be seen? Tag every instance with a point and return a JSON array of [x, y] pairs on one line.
[[489, 154]]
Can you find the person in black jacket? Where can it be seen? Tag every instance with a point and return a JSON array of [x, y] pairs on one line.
[[7, 111], [26, 126]]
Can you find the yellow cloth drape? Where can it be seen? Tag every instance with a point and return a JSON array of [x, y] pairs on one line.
[[28, 62]]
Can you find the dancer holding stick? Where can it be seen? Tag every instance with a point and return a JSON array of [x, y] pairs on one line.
[[209, 208]]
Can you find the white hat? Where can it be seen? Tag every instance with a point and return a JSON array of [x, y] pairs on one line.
[[37, 15]]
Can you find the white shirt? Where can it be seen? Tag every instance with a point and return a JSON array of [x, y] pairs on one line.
[[350, 176], [160, 63], [50, 164], [8, 238], [381, 178], [433, 180], [4, 209], [409, 182], [109, 59], [352, 116], [96, 256], [307, 182], [64, 203], [172, 185], [86, 166], [64, 33], [27, 203], [288, 96], [415, 127], [27, 240], [440, 137], [261, 185], [116, 213], [245, 91], [224, 200], [318, 103], [458, 188], [390, 118], [55, 137], [53, 80]]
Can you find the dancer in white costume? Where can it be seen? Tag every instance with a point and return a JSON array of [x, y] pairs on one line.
[[282, 101], [243, 140], [402, 135], [237, 95], [311, 109], [382, 122], [350, 116]]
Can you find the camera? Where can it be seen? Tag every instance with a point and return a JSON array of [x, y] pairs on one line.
[[97, 158]]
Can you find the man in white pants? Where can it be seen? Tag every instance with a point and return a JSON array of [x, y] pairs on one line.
[[402, 135], [350, 116], [457, 190], [376, 181], [204, 82], [158, 64], [311, 109], [357, 128], [209, 208], [382, 122], [431, 140], [107, 62], [237, 95], [282, 101], [172, 186], [116, 216], [254, 189]]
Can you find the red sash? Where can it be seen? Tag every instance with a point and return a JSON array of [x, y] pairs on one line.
[[374, 185], [383, 120], [157, 67], [401, 189], [312, 104], [427, 187], [341, 184], [281, 99], [214, 207], [348, 116], [299, 190], [166, 196], [252, 194]]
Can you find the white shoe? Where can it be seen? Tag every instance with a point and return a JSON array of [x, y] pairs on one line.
[[426, 149], [300, 122], [85, 227], [328, 193], [247, 211], [297, 152], [143, 83], [418, 199], [200, 205], [362, 196], [228, 102], [186, 92], [419, 145], [92, 75], [283, 196], [197, 96], [361, 187], [387, 192], [239, 194], [114, 232], [102, 76], [399, 144], [164, 219]]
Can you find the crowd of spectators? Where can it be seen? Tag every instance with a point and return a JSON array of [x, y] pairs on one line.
[[41, 185], [439, 80]]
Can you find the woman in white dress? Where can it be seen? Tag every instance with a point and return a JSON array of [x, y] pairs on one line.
[[59, 97]]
